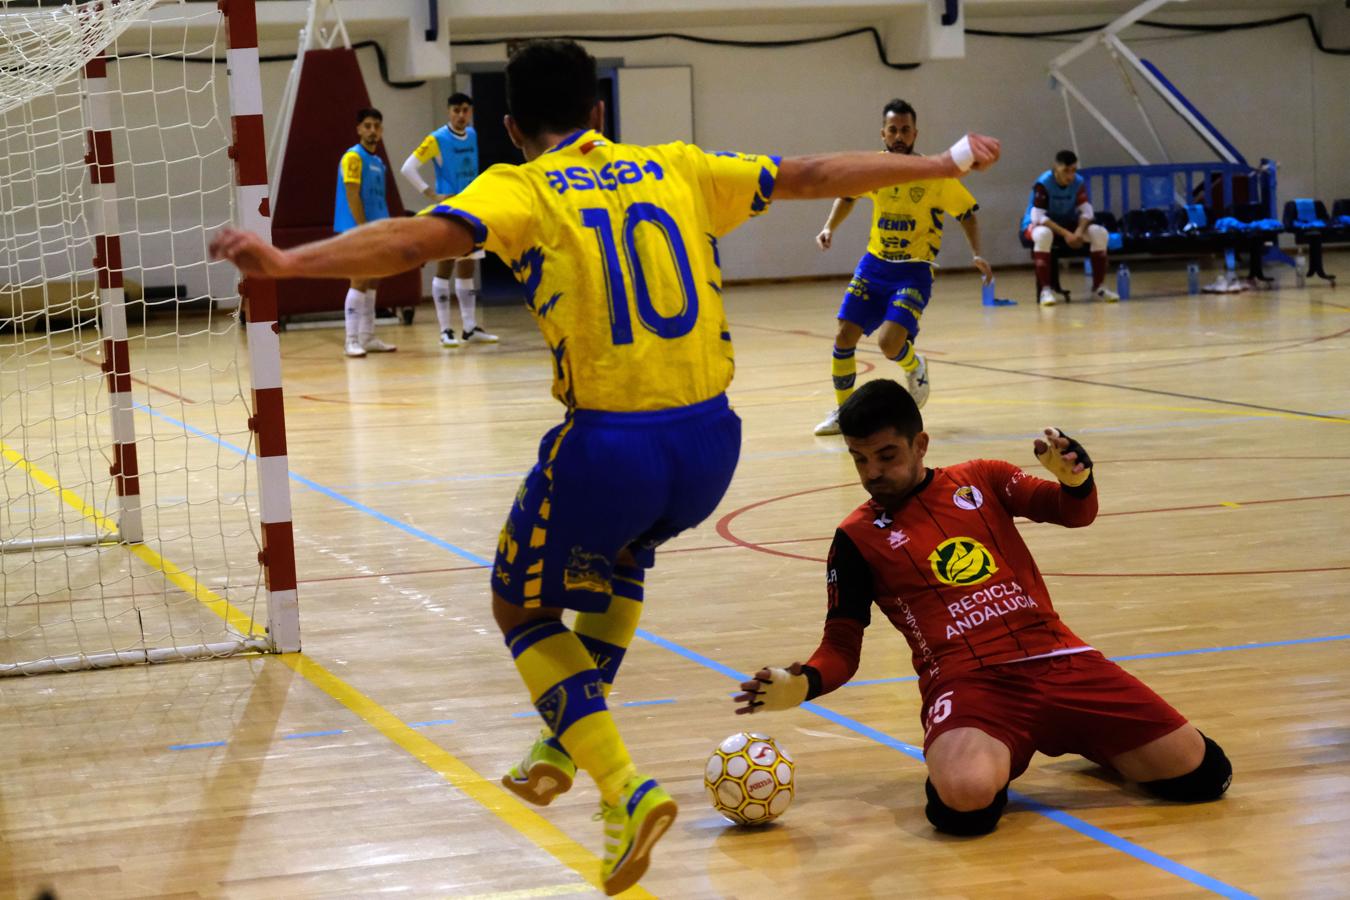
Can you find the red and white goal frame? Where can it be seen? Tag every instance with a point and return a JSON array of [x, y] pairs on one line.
[[188, 556]]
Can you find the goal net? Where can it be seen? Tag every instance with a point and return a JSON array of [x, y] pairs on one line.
[[145, 512]]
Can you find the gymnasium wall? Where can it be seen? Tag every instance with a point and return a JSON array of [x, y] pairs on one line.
[[1269, 90]]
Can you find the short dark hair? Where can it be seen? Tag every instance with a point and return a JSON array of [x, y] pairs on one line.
[[457, 98], [368, 112], [877, 405], [900, 108], [1066, 158], [551, 86]]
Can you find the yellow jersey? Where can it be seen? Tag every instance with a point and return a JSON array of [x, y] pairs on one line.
[[616, 247], [907, 218]]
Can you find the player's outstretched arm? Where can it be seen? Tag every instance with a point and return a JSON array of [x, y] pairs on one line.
[[851, 174], [773, 689], [375, 250]]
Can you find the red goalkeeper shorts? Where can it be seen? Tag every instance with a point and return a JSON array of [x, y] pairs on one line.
[[1077, 703]]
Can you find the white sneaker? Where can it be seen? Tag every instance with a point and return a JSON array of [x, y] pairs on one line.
[[828, 425], [1105, 293], [918, 382], [354, 348], [1048, 297], [448, 338], [375, 345], [477, 335]]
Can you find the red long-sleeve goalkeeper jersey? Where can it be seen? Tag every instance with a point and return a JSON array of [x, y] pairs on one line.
[[950, 571]]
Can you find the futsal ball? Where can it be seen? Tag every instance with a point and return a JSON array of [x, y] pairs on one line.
[[750, 779]]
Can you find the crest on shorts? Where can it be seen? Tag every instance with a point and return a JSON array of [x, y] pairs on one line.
[[962, 561], [916, 194], [586, 572], [968, 497]]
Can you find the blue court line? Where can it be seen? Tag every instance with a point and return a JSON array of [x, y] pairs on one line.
[[1068, 820], [1288, 643], [1260, 646], [648, 702], [196, 746], [309, 734], [1143, 854], [430, 722], [328, 492]]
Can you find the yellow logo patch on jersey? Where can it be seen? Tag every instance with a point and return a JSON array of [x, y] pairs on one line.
[[907, 219], [962, 561]]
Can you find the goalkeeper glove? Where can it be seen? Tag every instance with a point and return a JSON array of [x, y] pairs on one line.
[[775, 689], [1053, 458]]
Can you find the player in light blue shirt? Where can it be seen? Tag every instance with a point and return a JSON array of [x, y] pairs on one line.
[[360, 198], [453, 151]]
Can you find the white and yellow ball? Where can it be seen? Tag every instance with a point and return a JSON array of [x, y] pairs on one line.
[[750, 779]]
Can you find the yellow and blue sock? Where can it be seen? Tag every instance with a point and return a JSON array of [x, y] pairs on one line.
[[907, 358], [844, 368], [606, 635], [568, 690]]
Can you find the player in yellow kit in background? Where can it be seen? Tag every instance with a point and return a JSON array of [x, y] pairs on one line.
[[894, 279], [616, 247]]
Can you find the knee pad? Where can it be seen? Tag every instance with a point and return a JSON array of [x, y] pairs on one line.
[[963, 824], [1042, 238], [1098, 238], [1207, 781]]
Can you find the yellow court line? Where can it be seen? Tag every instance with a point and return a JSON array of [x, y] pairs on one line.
[[556, 890], [458, 774]]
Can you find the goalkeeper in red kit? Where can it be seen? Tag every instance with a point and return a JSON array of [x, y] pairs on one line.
[[1000, 675]]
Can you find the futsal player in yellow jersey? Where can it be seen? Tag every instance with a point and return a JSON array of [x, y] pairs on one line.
[[894, 279], [616, 246]]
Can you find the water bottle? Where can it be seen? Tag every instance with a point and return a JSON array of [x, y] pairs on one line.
[[1192, 278], [1087, 275], [987, 293], [1230, 263], [1300, 267], [1123, 281]]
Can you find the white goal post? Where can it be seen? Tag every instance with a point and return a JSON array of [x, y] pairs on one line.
[[145, 513]]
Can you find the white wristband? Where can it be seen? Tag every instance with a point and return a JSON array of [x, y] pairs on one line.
[[978, 258], [962, 155]]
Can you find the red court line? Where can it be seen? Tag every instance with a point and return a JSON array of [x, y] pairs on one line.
[[82, 358], [724, 530], [349, 402]]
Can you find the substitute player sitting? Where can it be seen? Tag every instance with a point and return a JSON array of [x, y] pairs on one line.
[[616, 247], [894, 279], [452, 150], [1058, 211], [360, 198], [1001, 676]]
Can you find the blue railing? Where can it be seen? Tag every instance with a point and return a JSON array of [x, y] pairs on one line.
[[1119, 189]]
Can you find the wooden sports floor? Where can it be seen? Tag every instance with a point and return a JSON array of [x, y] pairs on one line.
[[1218, 571]]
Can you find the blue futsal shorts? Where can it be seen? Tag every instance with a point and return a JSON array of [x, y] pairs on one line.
[[606, 481], [887, 292]]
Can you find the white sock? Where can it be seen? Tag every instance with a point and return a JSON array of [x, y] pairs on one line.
[[368, 317], [352, 308], [468, 302], [440, 295]]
